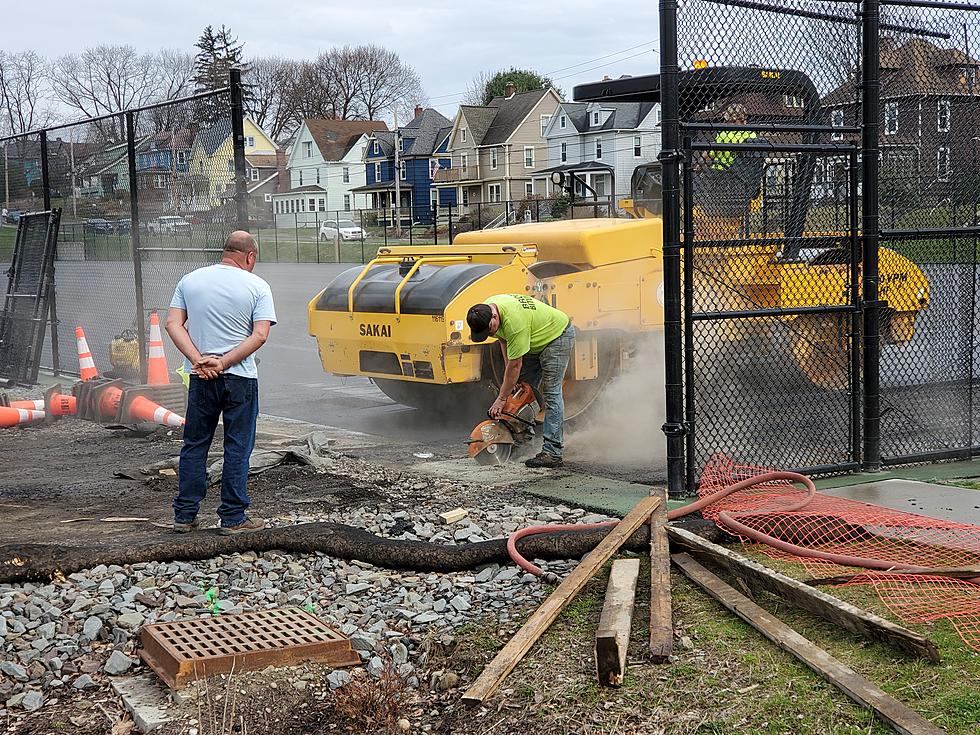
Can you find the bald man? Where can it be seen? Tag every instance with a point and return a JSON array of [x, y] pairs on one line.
[[219, 316]]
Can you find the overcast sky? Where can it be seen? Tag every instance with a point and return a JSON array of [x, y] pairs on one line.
[[448, 42]]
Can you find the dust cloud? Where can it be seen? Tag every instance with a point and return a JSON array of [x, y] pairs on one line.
[[623, 426]]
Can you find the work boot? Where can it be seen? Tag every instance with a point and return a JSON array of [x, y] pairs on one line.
[[246, 526], [544, 459], [185, 527]]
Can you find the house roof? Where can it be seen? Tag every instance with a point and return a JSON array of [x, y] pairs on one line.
[[303, 190], [261, 160], [624, 115], [577, 167], [165, 139], [510, 113], [424, 132], [377, 186], [917, 67], [335, 138], [212, 137], [479, 120], [262, 183]]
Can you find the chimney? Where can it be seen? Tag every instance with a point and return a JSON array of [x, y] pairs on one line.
[[418, 110], [282, 183], [509, 90]]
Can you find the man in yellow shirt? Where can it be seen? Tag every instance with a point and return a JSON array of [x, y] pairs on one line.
[[536, 340]]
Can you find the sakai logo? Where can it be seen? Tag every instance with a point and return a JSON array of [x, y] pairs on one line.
[[375, 330]]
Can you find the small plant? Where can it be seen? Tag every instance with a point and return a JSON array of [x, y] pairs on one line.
[[372, 704], [210, 593], [559, 206]]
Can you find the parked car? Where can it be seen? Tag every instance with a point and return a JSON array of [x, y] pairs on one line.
[[347, 229], [98, 226], [124, 226], [11, 216], [169, 224]]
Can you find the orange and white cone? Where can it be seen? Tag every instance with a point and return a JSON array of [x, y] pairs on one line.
[[35, 405], [157, 372], [14, 416], [86, 365], [143, 409], [61, 404], [109, 402]]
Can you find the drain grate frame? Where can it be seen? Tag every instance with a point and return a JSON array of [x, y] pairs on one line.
[[183, 651]]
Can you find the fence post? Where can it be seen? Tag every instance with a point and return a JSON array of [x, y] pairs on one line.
[[134, 237], [360, 214], [674, 427], [690, 407], [870, 92], [238, 144], [435, 224], [338, 239], [52, 297], [449, 232]]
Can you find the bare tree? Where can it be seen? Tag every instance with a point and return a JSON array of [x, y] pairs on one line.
[[476, 90], [384, 81], [273, 81], [25, 98], [175, 75], [105, 79], [312, 94]]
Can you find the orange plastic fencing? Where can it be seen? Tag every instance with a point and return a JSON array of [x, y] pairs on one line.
[[842, 526]]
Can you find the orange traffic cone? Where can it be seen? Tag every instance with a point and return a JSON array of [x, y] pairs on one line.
[[86, 365], [14, 416], [35, 405], [61, 404], [157, 372], [142, 409], [109, 402]]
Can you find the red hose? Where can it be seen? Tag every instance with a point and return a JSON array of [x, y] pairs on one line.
[[727, 519]]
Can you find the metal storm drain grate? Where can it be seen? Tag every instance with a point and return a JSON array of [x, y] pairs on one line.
[[185, 650]]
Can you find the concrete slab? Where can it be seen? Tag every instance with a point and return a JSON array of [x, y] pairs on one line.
[[936, 472], [946, 502], [146, 698], [467, 470]]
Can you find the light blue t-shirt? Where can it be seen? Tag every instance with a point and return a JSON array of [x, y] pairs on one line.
[[222, 303]]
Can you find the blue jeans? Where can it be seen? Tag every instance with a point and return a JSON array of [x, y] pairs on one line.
[[236, 398], [546, 371]]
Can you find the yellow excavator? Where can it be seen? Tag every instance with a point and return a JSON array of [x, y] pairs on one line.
[[400, 319]]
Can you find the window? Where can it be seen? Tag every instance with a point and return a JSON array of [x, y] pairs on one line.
[[891, 118], [942, 116], [433, 197], [528, 189], [464, 163], [637, 146], [158, 182], [313, 204], [545, 119], [402, 171], [493, 158], [322, 202], [462, 135], [302, 205], [529, 156], [255, 174], [377, 172], [595, 117], [561, 122], [345, 175], [599, 184], [464, 195], [249, 141], [837, 121], [792, 101], [942, 164], [231, 165], [268, 197], [660, 115], [276, 208], [301, 177], [201, 166], [376, 149], [308, 149], [346, 202], [564, 152], [493, 193], [181, 157], [598, 149]]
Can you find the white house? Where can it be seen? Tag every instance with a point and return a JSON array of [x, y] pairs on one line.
[[324, 165], [601, 143]]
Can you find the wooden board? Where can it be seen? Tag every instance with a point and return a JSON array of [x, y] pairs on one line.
[[509, 656], [884, 706], [613, 634], [661, 625], [847, 616], [949, 572]]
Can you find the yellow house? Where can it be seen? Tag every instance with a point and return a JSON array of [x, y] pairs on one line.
[[213, 159]]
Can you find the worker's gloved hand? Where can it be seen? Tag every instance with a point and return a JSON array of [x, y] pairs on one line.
[[496, 408]]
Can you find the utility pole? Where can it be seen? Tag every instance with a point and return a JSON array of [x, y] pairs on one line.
[[398, 181]]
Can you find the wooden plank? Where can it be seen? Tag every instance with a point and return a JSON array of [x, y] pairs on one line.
[[884, 706], [849, 617], [509, 656], [452, 516], [661, 625], [950, 572], [613, 635]]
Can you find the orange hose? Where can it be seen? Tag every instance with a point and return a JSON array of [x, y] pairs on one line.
[[729, 520]]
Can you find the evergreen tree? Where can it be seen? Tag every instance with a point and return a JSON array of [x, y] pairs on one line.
[[217, 52]]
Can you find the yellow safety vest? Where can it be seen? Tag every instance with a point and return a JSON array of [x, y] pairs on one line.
[[723, 160]]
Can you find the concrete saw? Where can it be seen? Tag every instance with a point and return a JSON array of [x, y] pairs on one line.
[[492, 441]]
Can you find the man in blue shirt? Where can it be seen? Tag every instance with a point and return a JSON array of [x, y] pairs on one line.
[[219, 316]]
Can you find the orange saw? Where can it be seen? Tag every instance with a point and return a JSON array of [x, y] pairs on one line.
[[492, 441]]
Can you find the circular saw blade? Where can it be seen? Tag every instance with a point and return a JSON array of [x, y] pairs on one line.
[[494, 454]]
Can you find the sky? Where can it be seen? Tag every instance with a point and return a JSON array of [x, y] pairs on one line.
[[447, 42]]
